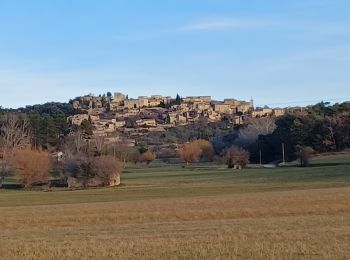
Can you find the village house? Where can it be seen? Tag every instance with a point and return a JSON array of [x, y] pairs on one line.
[[146, 122], [221, 107], [201, 99], [131, 103], [78, 119], [262, 112], [279, 112], [155, 113], [157, 100]]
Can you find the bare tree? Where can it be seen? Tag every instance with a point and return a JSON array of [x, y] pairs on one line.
[[79, 166], [79, 141], [236, 157], [105, 168], [136, 156], [255, 127], [99, 142], [15, 132], [304, 154], [124, 153]]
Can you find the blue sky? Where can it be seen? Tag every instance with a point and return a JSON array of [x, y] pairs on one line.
[[281, 52]]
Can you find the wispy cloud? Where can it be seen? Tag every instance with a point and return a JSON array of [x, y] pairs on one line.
[[226, 24]]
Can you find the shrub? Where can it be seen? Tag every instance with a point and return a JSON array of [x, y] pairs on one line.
[[31, 166], [207, 153], [105, 167], [148, 157], [190, 152], [236, 157], [78, 166]]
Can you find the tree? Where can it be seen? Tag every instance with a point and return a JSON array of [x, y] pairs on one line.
[[78, 140], [106, 168], [190, 152], [109, 94], [31, 165], [135, 156], [87, 126], [99, 142], [78, 165], [15, 132], [255, 127], [5, 167], [148, 157], [207, 150], [178, 99], [123, 152], [236, 157], [304, 155]]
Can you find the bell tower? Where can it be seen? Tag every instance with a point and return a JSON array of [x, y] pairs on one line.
[[252, 102]]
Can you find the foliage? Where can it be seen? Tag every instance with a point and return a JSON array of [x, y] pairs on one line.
[[78, 166], [87, 126], [324, 128], [207, 150], [31, 165], [148, 156], [105, 167], [190, 152], [49, 122]]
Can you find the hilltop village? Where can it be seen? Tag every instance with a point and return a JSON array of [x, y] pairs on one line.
[[118, 112]]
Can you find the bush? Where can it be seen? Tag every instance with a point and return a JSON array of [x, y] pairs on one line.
[[236, 157], [32, 166], [190, 152], [105, 168], [148, 157], [78, 166], [93, 171], [207, 153]]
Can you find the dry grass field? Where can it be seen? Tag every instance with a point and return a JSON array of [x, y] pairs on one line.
[[202, 212]]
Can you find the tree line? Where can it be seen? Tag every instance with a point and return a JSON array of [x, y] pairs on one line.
[[28, 134], [323, 128]]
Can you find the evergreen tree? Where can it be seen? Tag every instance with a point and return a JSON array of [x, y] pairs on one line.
[[178, 99]]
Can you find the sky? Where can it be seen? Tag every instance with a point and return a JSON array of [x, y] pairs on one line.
[[280, 52]]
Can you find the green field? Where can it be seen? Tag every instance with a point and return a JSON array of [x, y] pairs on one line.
[[202, 211]]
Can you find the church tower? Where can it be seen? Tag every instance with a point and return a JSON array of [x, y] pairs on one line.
[[252, 103]]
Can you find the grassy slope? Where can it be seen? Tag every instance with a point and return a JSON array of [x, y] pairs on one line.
[[196, 213]]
